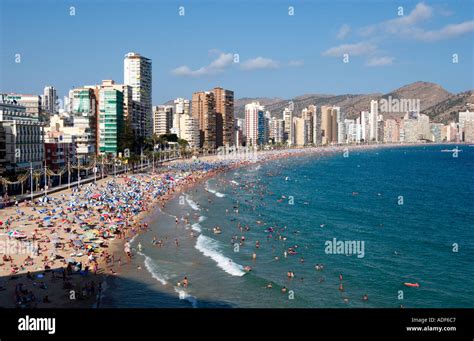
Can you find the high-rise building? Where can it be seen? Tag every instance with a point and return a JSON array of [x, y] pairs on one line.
[[84, 118], [353, 130], [182, 107], [466, 117], [111, 121], [329, 124], [301, 131], [436, 132], [255, 124], [138, 75], [468, 131], [22, 137], [127, 103], [224, 116], [162, 119], [340, 124], [373, 118], [288, 117], [391, 131], [32, 103], [190, 130], [203, 109], [239, 132], [278, 130], [416, 127], [49, 99]]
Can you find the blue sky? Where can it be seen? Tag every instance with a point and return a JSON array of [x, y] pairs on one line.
[[279, 55]]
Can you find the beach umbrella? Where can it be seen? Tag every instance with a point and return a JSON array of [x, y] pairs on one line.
[[16, 234], [77, 242], [96, 196]]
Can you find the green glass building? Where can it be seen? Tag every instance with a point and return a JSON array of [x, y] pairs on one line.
[[111, 121]]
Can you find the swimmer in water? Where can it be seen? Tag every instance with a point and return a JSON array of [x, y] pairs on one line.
[[365, 297]]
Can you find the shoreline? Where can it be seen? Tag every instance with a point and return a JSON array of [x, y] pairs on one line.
[[115, 247]]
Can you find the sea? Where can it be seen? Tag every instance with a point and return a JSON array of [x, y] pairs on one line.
[[354, 230]]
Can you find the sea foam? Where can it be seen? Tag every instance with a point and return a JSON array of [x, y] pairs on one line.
[[153, 269], [210, 248], [192, 203]]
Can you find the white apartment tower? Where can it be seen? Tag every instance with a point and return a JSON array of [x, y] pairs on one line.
[[182, 107], [254, 123], [162, 119], [137, 74], [373, 117], [48, 101]]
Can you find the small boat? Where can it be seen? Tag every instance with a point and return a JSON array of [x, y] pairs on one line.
[[414, 285], [217, 230]]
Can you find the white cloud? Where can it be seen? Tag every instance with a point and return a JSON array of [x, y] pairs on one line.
[[343, 31], [222, 61], [380, 61], [408, 26], [259, 63], [420, 13], [358, 49], [295, 63], [448, 31]]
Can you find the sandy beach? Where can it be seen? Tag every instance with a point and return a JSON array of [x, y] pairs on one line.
[[58, 252]]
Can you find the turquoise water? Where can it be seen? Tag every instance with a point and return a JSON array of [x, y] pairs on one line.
[[310, 200]]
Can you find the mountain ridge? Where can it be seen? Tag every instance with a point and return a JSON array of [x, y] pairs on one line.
[[436, 102]]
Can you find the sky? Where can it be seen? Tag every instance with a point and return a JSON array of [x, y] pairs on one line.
[[255, 48]]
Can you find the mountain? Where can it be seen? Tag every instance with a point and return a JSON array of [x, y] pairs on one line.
[[448, 109], [434, 101]]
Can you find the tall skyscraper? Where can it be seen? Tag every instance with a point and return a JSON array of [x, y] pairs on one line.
[[278, 130], [204, 110], [138, 75], [48, 101], [326, 124], [373, 117], [225, 113], [111, 121], [341, 126], [302, 131], [315, 124], [255, 124]]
